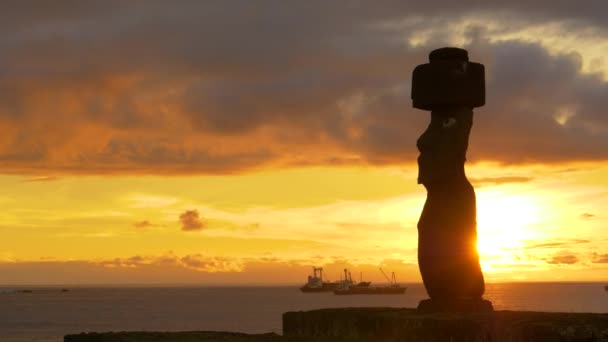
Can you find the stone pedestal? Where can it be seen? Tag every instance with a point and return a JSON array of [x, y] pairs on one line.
[[455, 306], [394, 324]]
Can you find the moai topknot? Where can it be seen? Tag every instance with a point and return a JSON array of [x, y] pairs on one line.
[[448, 80], [450, 87]]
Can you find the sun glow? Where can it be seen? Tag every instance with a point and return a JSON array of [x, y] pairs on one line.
[[504, 222]]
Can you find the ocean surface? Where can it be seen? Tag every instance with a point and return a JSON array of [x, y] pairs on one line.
[[47, 313]]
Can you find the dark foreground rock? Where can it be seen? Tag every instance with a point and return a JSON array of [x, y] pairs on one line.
[[185, 336], [391, 324], [196, 336]]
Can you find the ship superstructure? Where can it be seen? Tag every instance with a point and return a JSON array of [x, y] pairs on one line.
[[316, 283], [365, 288]]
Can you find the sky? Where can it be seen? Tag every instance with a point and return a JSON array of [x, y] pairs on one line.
[[238, 142]]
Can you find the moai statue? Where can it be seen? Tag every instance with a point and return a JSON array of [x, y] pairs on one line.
[[450, 87]]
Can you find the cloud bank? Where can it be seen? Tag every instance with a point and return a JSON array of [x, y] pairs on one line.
[[227, 87]]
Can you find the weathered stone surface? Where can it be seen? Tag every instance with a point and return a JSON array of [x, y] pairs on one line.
[[455, 306], [391, 324]]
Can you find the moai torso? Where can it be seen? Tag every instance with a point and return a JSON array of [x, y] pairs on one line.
[[443, 147]]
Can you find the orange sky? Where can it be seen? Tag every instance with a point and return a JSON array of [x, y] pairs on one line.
[[535, 223], [214, 143]]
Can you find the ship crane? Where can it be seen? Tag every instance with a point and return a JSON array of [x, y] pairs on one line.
[[348, 277], [318, 272], [393, 280]]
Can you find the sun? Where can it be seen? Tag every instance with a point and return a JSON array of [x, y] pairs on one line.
[[504, 222]]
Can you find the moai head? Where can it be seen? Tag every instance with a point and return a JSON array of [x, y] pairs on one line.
[[449, 80]]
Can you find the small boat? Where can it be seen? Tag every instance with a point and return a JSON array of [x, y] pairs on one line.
[[316, 283], [366, 289]]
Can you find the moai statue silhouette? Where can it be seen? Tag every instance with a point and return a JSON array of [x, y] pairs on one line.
[[450, 87]]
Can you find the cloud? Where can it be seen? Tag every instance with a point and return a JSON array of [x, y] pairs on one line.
[[199, 268], [144, 224], [211, 264], [587, 215], [554, 243], [194, 268], [196, 262], [132, 262], [226, 88], [40, 179], [191, 220], [600, 258], [565, 259], [500, 180]]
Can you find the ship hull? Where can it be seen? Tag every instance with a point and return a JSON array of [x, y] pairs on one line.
[[327, 287], [371, 291]]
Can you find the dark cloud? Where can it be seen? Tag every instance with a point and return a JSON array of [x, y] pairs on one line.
[[220, 87], [520, 124], [587, 215], [567, 259], [191, 220]]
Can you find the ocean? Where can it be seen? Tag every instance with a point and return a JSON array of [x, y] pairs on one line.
[[47, 313]]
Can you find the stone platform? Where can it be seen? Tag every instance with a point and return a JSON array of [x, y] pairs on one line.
[[454, 306], [393, 324]]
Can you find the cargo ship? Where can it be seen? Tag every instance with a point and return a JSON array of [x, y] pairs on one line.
[[366, 289], [349, 283], [316, 283]]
